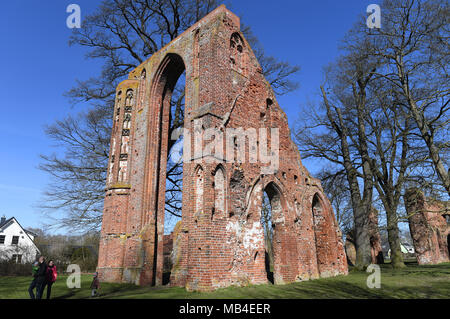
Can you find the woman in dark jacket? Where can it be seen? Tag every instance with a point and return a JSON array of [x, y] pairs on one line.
[[50, 278]]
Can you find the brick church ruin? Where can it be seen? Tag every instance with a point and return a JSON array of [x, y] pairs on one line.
[[429, 224], [220, 240]]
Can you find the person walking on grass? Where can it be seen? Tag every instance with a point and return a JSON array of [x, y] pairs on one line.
[[95, 285], [40, 277], [32, 286], [50, 278]]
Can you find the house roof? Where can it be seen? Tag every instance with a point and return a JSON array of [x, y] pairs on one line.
[[9, 222], [30, 232], [5, 222]]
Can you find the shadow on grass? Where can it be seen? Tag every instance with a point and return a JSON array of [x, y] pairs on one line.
[[412, 282]]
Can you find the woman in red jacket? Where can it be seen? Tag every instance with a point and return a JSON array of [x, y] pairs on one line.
[[50, 277]]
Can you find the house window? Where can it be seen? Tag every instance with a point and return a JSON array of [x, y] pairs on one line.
[[15, 240], [2, 239], [17, 258]]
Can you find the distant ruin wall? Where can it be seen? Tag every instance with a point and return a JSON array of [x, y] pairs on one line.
[[429, 227]]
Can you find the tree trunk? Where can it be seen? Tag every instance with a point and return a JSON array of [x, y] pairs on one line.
[[394, 240], [362, 240], [361, 207]]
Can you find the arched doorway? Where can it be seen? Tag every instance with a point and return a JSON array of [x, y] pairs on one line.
[[270, 213], [325, 237], [266, 222], [167, 95]]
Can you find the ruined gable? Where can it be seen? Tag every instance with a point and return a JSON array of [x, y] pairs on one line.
[[429, 227]]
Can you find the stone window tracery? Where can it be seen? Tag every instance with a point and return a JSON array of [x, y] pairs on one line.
[[237, 53], [125, 139], [219, 192], [198, 190]]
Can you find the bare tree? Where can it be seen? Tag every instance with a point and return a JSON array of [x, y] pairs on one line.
[[78, 177], [390, 87], [413, 43], [391, 157], [332, 134], [336, 188], [409, 71]]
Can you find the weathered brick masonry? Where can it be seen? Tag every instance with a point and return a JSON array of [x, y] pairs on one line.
[[429, 227], [221, 240]]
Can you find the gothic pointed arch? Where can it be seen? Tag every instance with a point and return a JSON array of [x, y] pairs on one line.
[[219, 209]]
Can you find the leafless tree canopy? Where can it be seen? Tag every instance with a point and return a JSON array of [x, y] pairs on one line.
[[336, 188], [383, 120]]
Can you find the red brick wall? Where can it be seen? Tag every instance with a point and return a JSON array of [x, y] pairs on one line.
[[428, 226], [221, 241]]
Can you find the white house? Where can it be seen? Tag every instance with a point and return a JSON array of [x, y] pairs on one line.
[[406, 248], [16, 243]]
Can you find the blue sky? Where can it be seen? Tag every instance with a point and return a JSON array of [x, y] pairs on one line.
[[38, 67]]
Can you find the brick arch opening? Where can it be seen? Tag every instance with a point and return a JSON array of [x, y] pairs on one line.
[[174, 180], [273, 227], [237, 53], [198, 191], [324, 235], [162, 90], [219, 185]]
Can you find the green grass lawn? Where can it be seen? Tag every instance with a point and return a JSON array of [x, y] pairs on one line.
[[412, 282]]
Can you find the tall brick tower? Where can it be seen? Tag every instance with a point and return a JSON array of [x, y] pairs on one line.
[[221, 241]]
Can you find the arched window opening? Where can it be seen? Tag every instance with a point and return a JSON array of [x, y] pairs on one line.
[[271, 211], [316, 205], [237, 53], [198, 191], [266, 222], [123, 175], [173, 98], [219, 193], [129, 100], [325, 237], [174, 169]]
